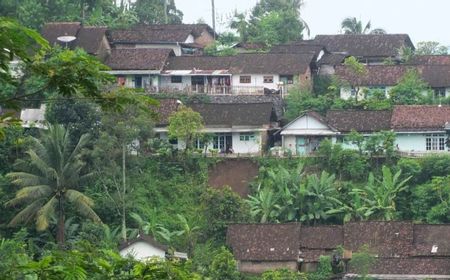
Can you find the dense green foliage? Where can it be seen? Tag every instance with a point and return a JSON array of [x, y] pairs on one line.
[[271, 22]]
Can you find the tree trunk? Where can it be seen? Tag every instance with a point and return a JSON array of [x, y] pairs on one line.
[[60, 228], [124, 191]]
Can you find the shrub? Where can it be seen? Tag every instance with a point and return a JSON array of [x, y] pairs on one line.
[[283, 274]]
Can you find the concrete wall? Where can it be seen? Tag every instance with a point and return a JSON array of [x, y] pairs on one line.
[[261, 267], [165, 82], [257, 80], [142, 251], [247, 147]]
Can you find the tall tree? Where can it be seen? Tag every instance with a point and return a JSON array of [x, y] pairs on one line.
[[431, 48], [157, 11], [351, 25], [50, 179], [185, 125], [271, 22]]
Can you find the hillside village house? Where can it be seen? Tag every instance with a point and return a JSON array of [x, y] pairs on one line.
[[403, 250], [236, 128], [183, 39], [384, 77], [419, 128]]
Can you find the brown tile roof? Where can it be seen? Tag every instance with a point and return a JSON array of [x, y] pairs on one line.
[[229, 115], [199, 62], [321, 237], [264, 242], [246, 63], [138, 59], [157, 33], [90, 37], [376, 75], [411, 266], [52, 30], [268, 63], [332, 59], [427, 236], [430, 59], [390, 75], [370, 45], [298, 47], [420, 117], [166, 108], [359, 120], [87, 37], [386, 239]]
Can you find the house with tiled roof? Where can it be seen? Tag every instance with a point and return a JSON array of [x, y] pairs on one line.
[[402, 250], [238, 128], [183, 39], [419, 129], [255, 73], [384, 77], [90, 38]]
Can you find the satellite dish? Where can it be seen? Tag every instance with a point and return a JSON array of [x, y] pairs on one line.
[[66, 39]]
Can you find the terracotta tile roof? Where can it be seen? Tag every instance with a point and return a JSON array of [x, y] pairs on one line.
[[321, 237], [166, 108], [332, 59], [298, 47], [370, 45], [420, 117], [411, 266], [52, 30], [87, 37], [386, 239], [157, 33], [254, 63], [430, 59], [359, 120], [138, 59], [199, 62], [90, 37], [271, 63], [427, 236], [264, 242], [390, 75], [229, 115], [376, 75]]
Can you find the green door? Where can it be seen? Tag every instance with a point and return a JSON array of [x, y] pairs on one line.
[[300, 145]]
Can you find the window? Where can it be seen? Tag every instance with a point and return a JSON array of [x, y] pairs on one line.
[[435, 142], [137, 81], [199, 144], [287, 79], [247, 136], [245, 79], [439, 92], [268, 79], [176, 79]]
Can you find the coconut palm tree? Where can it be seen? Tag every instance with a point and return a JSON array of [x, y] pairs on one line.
[[49, 179], [351, 25]]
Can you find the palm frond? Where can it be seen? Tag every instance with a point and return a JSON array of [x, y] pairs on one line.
[[24, 179], [27, 214], [83, 204], [45, 214], [28, 194]]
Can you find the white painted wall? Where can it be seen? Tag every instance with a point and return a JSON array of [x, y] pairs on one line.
[[142, 251], [246, 147], [411, 142], [257, 80], [190, 39], [307, 122]]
